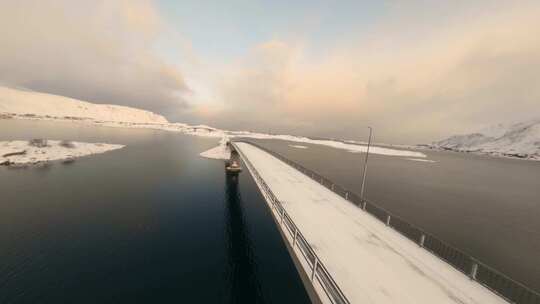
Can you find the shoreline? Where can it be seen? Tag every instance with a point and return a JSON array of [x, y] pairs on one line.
[[206, 131]]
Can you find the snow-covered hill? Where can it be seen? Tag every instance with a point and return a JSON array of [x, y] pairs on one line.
[[19, 102], [518, 140]]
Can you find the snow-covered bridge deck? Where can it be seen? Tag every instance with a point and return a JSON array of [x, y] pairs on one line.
[[370, 262]]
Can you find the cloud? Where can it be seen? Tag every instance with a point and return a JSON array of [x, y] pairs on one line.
[[425, 71], [422, 71], [99, 51]]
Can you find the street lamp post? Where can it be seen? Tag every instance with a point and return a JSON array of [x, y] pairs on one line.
[[365, 165]]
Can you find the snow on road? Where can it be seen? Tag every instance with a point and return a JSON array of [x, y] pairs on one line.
[[369, 261]]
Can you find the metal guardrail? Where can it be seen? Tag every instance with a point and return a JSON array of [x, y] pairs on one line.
[[499, 283], [318, 270]]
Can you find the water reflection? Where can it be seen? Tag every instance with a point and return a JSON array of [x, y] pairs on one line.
[[241, 268], [149, 223]]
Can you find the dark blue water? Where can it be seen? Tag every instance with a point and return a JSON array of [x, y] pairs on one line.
[[486, 206], [152, 222]]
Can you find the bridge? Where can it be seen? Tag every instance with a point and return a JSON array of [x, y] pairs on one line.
[[349, 250]]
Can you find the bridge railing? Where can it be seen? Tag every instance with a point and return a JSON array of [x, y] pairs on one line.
[[315, 265], [499, 283]]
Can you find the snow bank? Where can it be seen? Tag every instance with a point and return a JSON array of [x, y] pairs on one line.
[[222, 151], [20, 152], [20, 102]]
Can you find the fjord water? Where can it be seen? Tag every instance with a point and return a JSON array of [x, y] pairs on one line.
[[486, 206], [152, 222]]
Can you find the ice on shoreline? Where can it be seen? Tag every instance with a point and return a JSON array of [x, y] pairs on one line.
[[20, 152]]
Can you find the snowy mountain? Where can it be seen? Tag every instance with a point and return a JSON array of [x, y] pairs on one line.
[[518, 140], [29, 104]]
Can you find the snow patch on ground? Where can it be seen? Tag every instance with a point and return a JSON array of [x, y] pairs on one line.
[[422, 160], [298, 146], [19, 152]]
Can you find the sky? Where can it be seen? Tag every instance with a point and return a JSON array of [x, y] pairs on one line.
[[416, 71]]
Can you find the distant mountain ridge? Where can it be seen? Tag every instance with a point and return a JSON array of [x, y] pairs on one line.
[[28, 103], [517, 140]]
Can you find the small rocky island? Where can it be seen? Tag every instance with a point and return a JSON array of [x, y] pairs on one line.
[[36, 151]]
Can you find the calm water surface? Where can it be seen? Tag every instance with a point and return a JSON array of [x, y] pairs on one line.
[[152, 222], [486, 206]]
